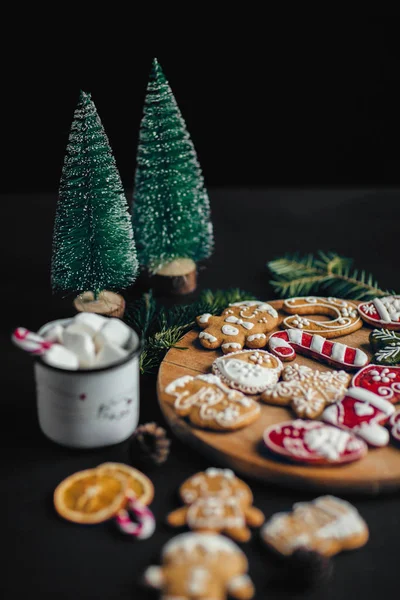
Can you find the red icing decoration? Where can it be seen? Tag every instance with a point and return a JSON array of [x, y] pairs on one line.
[[289, 439], [363, 413], [395, 425], [381, 380], [82, 397]]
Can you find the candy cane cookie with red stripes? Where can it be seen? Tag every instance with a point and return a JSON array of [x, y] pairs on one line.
[[285, 344]]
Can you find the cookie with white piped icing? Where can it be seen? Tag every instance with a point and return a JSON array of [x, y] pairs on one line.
[[249, 371], [382, 312], [326, 525], [217, 501], [242, 324], [208, 403], [344, 316], [201, 566]]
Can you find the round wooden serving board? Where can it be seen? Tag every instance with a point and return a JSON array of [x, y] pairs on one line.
[[242, 450]]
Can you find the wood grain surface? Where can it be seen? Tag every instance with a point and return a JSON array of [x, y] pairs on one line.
[[242, 450]]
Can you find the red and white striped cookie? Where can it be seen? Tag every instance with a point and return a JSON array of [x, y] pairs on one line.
[[363, 413], [284, 344], [395, 425], [382, 312], [380, 380], [313, 442]]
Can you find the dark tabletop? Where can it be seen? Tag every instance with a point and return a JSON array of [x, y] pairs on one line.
[[48, 557]]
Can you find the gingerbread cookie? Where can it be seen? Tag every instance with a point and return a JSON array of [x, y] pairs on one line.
[[313, 442], [210, 404], [199, 566], [241, 324], [249, 371], [326, 525], [307, 390], [345, 318], [383, 381], [284, 344], [382, 312], [217, 501], [363, 413], [395, 425], [386, 345]]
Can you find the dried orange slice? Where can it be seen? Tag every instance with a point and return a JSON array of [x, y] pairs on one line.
[[90, 496], [138, 483]]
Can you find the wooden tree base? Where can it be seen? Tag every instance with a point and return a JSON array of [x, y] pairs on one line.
[[178, 277], [108, 304]]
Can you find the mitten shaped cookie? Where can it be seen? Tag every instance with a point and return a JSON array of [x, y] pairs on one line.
[[326, 525], [241, 324], [217, 501], [201, 566], [210, 404]]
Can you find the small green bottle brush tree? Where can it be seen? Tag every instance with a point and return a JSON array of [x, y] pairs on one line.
[[171, 210], [93, 245]]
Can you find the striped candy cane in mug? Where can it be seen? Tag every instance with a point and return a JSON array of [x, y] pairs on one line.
[[30, 342], [285, 344]]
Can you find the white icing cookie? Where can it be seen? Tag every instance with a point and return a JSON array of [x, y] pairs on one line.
[[382, 312], [345, 318], [249, 371], [326, 525]]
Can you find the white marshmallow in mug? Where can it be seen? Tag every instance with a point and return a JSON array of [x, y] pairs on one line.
[[81, 343], [59, 356], [55, 334], [91, 323], [108, 354], [114, 332]]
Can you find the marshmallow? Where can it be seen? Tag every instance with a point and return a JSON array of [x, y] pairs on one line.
[[80, 342], [61, 357], [91, 323], [108, 354], [114, 332], [54, 334]]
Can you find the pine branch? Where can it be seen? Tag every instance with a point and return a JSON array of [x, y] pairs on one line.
[[162, 328], [327, 272]]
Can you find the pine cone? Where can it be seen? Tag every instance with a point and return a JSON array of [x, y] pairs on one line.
[[149, 445]]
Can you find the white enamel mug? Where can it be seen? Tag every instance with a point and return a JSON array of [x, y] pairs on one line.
[[89, 408]]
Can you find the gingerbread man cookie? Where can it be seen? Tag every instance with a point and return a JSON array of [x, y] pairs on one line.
[[382, 312], [313, 442], [249, 371], [217, 501], [241, 324], [326, 525], [345, 316], [199, 566], [210, 404], [307, 390]]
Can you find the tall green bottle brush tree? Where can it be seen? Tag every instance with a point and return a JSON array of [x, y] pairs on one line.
[[93, 244], [171, 209]]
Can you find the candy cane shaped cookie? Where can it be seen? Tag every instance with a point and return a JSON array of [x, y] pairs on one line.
[[345, 315], [145, 525], [284, 344]]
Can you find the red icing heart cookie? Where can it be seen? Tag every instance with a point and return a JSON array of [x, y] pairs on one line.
[[395, 425], [382, 312], [363, 413], [383, 381], [313, 442]]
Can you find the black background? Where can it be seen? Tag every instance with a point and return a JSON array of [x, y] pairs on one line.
[[302, 101]]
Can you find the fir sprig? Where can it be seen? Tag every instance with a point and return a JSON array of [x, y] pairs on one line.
[[327, 272], [161, 328]]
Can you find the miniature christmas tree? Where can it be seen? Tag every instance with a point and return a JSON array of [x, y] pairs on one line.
[[171, 211], [93, 245]]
